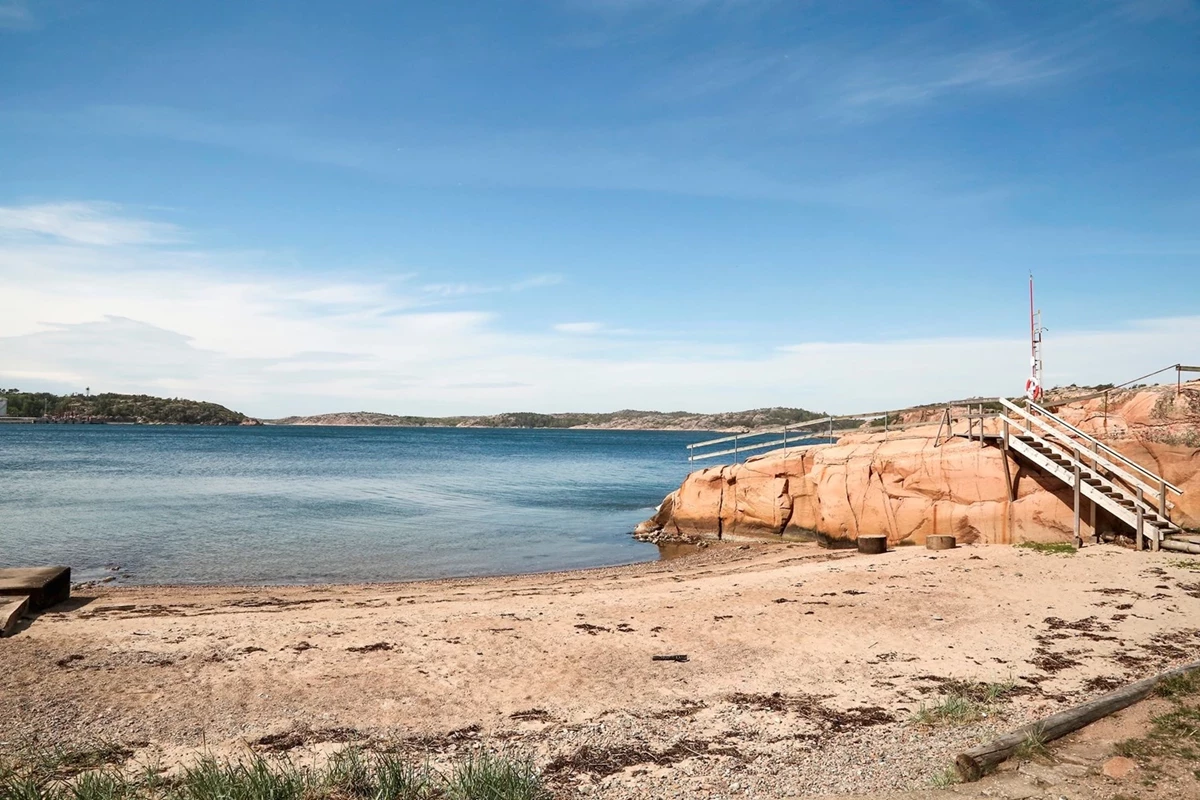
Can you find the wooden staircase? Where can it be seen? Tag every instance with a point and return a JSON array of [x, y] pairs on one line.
[[1126, 490]]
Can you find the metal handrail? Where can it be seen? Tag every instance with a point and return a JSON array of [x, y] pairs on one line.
[[737, 436], [1122, 458], [787, 444], [1077, 451], [1094, 455]]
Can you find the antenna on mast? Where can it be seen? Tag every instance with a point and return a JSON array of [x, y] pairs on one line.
[[1033, 386]]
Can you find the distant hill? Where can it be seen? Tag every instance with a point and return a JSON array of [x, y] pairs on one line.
[[120, 408], [615, 420]]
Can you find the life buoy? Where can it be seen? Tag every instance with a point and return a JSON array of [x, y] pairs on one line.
[[1033, 390]]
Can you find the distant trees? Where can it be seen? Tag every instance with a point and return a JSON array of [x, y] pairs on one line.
[[119, 408]]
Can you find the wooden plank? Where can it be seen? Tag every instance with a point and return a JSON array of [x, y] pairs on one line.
[[975, 763], [1100, 460], [1112, 504], [1110, 451]]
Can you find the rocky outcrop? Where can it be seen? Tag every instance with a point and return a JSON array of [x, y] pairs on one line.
[[907, 485]]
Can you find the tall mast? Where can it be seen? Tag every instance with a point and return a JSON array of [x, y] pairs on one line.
[[1033, 387]]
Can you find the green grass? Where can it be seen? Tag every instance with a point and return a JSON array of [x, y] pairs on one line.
[[964, 703], [351, 774], [1174, 734], [1033, 748], [1178, 687], [1184, 563], [946, 778], [1050, 548]]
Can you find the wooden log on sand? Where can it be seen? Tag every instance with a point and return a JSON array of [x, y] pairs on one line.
[[873, 544], [975, 763], [940, 542]]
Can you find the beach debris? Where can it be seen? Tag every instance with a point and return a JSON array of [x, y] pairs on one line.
[[592, 630], [370, 648], [301, 647], [532, 714], [302, 735], [680, 658]]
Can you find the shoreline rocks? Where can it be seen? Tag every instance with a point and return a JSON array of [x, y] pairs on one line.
[[908, 485]]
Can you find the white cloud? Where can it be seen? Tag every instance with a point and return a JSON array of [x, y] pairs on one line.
[[148, 318], [579, 327], [84, 223]]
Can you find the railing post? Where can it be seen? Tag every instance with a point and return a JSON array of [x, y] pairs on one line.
[[1162, 500], [1079, 507], [735, 448], [785, 437], [1141, 521]]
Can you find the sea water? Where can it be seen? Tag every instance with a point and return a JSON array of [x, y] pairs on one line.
[[282, 504]]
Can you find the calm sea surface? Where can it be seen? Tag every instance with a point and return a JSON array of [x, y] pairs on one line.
[[304, 505]]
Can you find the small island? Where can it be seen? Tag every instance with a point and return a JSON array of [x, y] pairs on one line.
[[118, 408]]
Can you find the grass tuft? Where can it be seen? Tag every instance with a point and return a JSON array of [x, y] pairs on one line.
[[482, 776], [1049, 548], [350, 774], [1174, 734], [1033, 748], [1184, 563], [1178, 687], [946, 778], [966, 702]]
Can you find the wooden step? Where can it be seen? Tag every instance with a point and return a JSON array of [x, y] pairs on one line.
[[11, 610]]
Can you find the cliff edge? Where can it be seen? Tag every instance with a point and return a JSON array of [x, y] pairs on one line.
[[907, 485]]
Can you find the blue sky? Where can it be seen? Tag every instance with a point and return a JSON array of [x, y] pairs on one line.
[[592, 204]]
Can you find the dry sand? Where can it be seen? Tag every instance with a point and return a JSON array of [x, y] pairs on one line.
[[804, 665]]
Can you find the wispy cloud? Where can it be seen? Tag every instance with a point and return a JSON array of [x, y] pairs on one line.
[[886, 80], [537, 281], [591, 329], [579, 327], [15, 15], [85, 223]]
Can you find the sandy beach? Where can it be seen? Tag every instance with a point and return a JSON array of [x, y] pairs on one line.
[[804, 666]]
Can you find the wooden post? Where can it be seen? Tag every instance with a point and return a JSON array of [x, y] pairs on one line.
[[1079, 507], [1095, 533], [873, 544], [1141, 522], [1162, 500], [1010, 490], [940, 542]]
